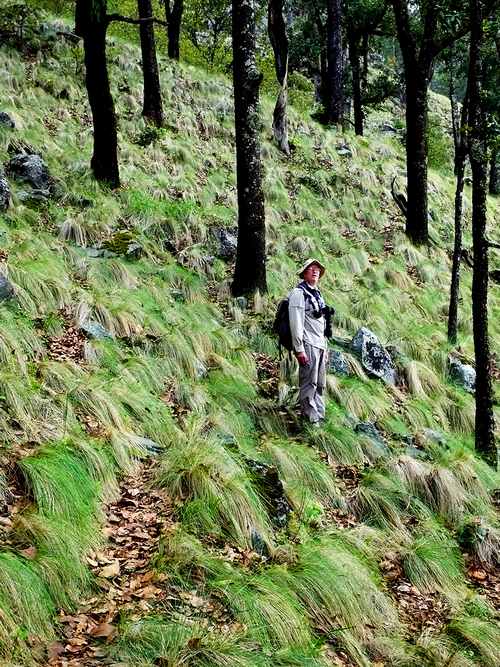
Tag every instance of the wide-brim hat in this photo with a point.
(310, 261)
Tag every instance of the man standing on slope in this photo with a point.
(307, 310)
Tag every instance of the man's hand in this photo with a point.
(302, 358)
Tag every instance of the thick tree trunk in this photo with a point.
(92, 24)
(356, 85)
(279, 42)
(152, 108)
(335, 99)
(494, 180)
(416, 156)
(174, 18)
(250, 269)
(485, 423)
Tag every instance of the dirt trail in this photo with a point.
(125, 580)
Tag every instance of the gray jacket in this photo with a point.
(304, 326)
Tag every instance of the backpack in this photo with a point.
(281, 325)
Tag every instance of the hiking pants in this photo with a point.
(312, 381)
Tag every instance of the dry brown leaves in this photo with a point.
(126, 582)
(169, 397)
(417, 610)
(67, 347)
(486, 580)
(268, 371)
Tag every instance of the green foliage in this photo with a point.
(439, 144)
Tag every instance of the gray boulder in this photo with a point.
(374, 357)
(95, 330)
(338, 364)
(4, 193)
(228, 241)
(36, 196)
(387, 127)
(6, 120)
(6, 289)
(369, 430)
(344, 150)
(462, 374)
(31, 169)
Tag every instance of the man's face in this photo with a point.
(312, 274)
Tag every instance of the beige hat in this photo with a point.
(310, 261)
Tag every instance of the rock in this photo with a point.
(371, 431)
(201, 369)
(4, 193)
(433, 436)
(462, 374)
(387, 127)
(374, 357)
(95, 330)
(344, 150)
(271, 489)
(258, 544)
(6, 120)
(134, 250)
(241, 302)
(36, 196)
(123, 243)
(6, 289)
(30, 168)
(228, 241)
(149, 445)
(338, 364)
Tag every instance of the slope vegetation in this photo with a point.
(371, 542)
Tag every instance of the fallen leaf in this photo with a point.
(54, 649)
(103, 630)
(29, 553)
(112, 570)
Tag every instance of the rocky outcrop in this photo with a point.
(374, 357)
(228, 241)
(31, 169)
(337, 364)
(6, 289)
(462, 374)
(271, 489)
(4, 193)
(6, 120)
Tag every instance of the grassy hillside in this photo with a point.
(137, 382)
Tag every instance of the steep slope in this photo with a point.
(122, 349)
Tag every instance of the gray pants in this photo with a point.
(312, 381)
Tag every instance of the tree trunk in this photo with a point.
(356, 85)
(459, 124)
(494, 181)
(335, 101)
(152, 108)
(250, 269)
(485, 424)
(457, 252)
(416, 156)
(279, 42)
(174, 18)
(364, 51)
(92, 24)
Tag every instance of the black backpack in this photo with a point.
(281, 327)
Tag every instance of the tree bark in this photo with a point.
(356, 85)
(494, 180)
(364, 51)
(173, 16)
(485, 424)
(250, 269)
(460, 143)
(335, 99)
(152, 107)
(92, 26)
(279, 42)
(416, 156)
